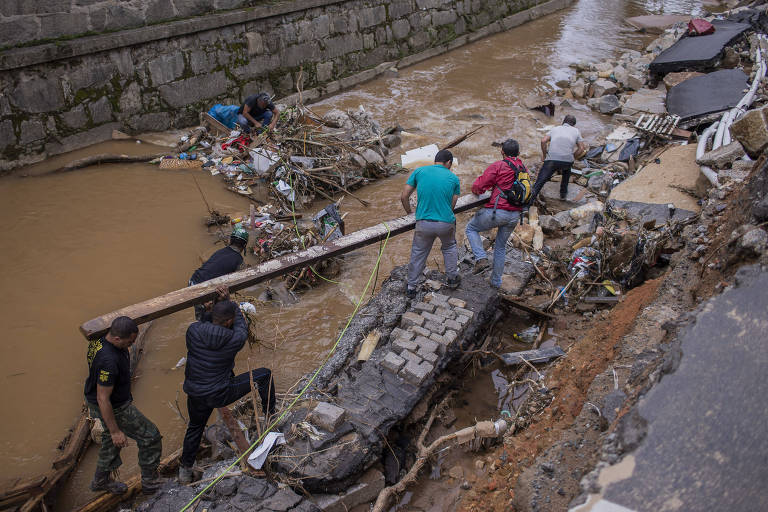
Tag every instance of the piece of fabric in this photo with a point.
(423, 238)
(211, 351)
(201, 407)
(498, 176)
(253, 106)
(562, 142)
(136, 426)
(485, 220)
(258, 457)
(108, 366)
(222, 262)
(435, 187)
(548, 169)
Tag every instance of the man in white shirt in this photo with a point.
(557, 150)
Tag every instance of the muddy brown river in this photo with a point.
(80, 244)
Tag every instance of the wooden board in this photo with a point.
(213, 124)
(506, 299)
(369, 344)
(203, 292)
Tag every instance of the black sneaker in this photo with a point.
(453, 283)
(103, 481)
(410, 293)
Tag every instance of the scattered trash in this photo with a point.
(258, 457)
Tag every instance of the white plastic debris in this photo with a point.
(259, 455)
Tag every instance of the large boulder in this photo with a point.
(577, 196)
(609, 104)
(517, 272)
(752, 131)
(646, 101)
(603, 87)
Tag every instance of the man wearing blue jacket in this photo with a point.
(209, 380)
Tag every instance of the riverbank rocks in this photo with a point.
(602, 87)
(644, 101)
(609, 104)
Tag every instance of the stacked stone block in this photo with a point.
(426, 333)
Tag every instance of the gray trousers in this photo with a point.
(423, 238)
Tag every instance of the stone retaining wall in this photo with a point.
(62, 96)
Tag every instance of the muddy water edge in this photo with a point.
(79, 244)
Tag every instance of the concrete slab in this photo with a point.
(701, 95)
(703, 426)
(699, 52)
(656, 23)
(662, 183)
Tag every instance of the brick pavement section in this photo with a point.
(410, 318)
(393, 362)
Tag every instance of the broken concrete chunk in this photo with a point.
(393, 362)
(752, 131)
(644, 101)
(456, 302)
(410, 318)
(609, 104)
(723, 156)
(327, 416)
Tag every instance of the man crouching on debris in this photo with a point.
(257, 111)
(437, 190)
(498, 212)
(209, 381)
(557, 150)
(108, 393)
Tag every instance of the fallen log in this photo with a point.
(106, 159)
(203, 292)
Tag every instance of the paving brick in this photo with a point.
(450, 336)
(399, 345)
(430, 316)
(457, 302)
(452, 324)
(398, 333)
(416, 373)
(438, 298)
(465, 312)
(434, 285)
(393, 362)
(426, 344)
(430, 357)
(327, 416)
(419, 331)
(424, 306)
(410, 318)
(445, 312)
(462, 320)
(410, 356)
(439, 328)
(440, 339)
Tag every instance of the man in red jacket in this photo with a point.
(497, 213)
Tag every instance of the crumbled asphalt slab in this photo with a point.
(696, 440)
(702, 95)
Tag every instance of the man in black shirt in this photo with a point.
(209, 380)
(108, 394)
(257, 111)
(222, 262)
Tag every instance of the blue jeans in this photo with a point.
(264, 119)
(485, 220)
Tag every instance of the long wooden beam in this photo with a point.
(203, 292)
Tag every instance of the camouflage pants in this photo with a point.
(136, 426)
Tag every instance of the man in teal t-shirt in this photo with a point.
(437, 190)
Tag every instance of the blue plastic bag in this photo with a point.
(225, 114)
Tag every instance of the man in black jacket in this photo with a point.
(209, 381)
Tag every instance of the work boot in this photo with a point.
(481, 265)
(453, 283)
(103, 481)
(150, 482)
(186, 475)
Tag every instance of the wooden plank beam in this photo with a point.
(203, 292)
(506, 299)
